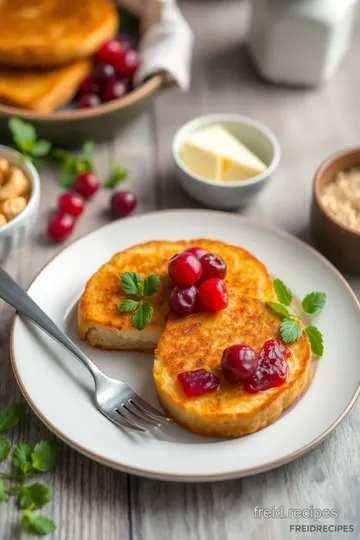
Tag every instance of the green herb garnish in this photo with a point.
(28, 461)
(118, 174)
(26, 141)
(133, 284)
(72, 166)
(291, 328)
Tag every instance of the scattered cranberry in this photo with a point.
(184, 301)
(127, 62)
(110, 51)
(198, 382)
(239, 363)
(123, 203)
(72, 203)
(114, 90)
(89, 86)
(272, 369)
(103, 73)
(213, 294)
(89, 101)
(60, 226)
(213, 266)
(185, 269)
(197, 251)
(87, 184)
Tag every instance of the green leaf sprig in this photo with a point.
(133, 284)
(72, 165)
(27, 461)
(118, 174)
(291, 329)
(27, 142)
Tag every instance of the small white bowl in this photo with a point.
(212, 193)
(13, 234)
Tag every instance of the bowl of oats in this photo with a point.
(335, 213)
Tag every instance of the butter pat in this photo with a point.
(215, 154)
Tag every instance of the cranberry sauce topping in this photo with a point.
(198, 382)
(272, 369)
(239, 363)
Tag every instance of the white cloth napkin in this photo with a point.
(167, 40)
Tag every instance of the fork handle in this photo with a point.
(14, 295)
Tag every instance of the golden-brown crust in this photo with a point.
(49, 33)
(198, 342)
(42, 90)
(99, 304)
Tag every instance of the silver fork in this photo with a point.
(114, 399)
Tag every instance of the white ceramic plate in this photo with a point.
(60, 390)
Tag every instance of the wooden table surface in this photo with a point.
(92, 502)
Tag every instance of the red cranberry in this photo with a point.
(185, 269)
(197, 251)
(60, 226)
(103, 73)
(239, 363)
(127, 62)
(213, 266)
(273, 368)
(89, 101)
(184, 301)
(114, 90)
(109, 51)
(198, 382)
(123, 203)
(72, 203)
(87, 184)
(89, 86)
(213, 294)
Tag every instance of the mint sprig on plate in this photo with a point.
(27, 142)
(291, 329)
(133, 284)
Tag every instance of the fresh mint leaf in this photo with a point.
(129, 305)
(11, 415)
(151, 285)
(35, 496)
(283, 292)
(280, 309)
(4, 449)
(143, 315)
(41, 148)
(22, 457)
(67, 176)
(118, 174)
(314, 302)
(290, 330)
(44, 456)
(2, 491)
(36, 524)
(130, 282)
(89, 149)
(23, 134)
(316, 340)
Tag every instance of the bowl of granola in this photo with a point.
(335, 212)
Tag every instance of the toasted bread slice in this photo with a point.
(198, 341)
(99, 319)
(48, 33)
(42, 90)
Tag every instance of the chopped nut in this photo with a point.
(4, 166)
(3, 220)
(17, 184)
(341, 198)
(12, 207)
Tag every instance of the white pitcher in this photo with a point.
(300, 42)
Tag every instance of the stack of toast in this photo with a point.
(46, 48)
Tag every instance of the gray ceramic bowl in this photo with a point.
(15, 232)
(212, 193)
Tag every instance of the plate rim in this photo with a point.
(238, 473)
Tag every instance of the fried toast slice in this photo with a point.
(198, 342)
(48, 33)
(42, 90)
(99, 319)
